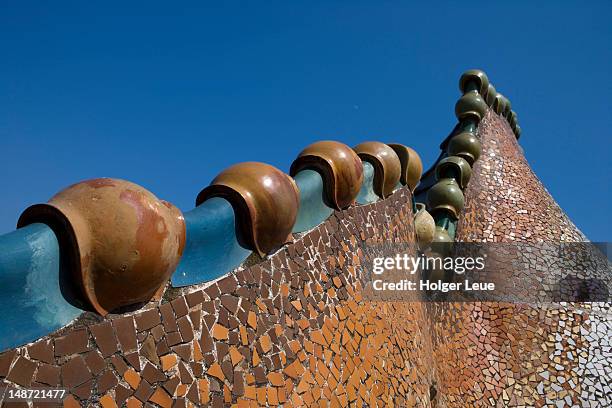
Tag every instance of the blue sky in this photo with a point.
(169, 96)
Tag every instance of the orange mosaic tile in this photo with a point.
(132, 378)
(219, 332)
(216, 371)
(168, 362)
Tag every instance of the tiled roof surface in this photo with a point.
(261, 295)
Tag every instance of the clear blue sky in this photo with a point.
(168, 96)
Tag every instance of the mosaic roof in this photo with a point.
(261, 295)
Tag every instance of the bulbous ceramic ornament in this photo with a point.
(119, 242)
